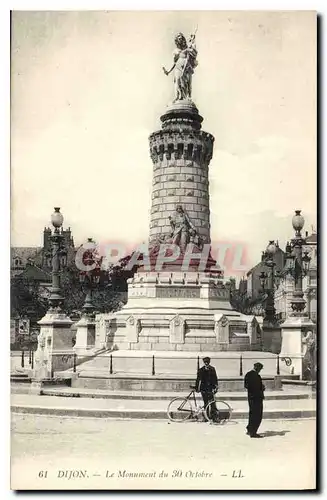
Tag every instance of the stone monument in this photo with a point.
(178, 301)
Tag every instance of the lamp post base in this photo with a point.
(271, 336)
(294, 332)
(85, 336)
(55, 348)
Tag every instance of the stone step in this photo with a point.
(301, 383)
(19, 374)
(149, 414)
(21, 378)
(105, 408)
(149, 395)
(98, 379)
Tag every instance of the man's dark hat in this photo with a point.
(259, 365)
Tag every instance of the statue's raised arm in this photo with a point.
(185, 61)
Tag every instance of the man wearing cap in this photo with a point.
(207, 384)
(253, 384)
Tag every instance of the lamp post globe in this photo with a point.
(298, 222)
(271, 249)
(57, 218)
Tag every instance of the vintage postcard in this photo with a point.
(163, 250)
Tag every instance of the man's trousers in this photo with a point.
(255, 415)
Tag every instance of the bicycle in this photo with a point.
(181, 409)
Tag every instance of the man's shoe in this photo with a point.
(255, 436)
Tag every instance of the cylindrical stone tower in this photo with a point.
(181, 153)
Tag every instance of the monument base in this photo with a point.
(177, 312)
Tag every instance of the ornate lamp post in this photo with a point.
(90, 278)
(297, 325)
(297, 264)
(54, 351)
(55, 298)
(268, 281)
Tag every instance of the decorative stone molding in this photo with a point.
(221, 329)
(194, 146)
(100, 330)
(253, 329)
(133, 328)
(177, 330)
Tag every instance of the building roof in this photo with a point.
(253, 268)
(262, 263)
(32, 272)
(25, 253)
(312, 238)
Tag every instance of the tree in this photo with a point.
(109, 295)
(26, 300)
(243, 303)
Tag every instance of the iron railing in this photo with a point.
(26, 357)
(240, 371)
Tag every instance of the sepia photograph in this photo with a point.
(163, 250)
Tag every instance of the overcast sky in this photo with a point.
(88, 89)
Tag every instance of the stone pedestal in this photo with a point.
(271, 337)
(85, 335)
(55, 346)
(177, 312)
(294, 333)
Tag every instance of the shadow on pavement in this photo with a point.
(273, 433)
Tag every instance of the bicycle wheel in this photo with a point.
(179, 409)
(218, 411)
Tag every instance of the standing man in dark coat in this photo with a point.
(253, 384)
(207, 384)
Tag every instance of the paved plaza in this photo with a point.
(64, 453)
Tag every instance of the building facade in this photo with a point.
(253, 283)
(31, 266)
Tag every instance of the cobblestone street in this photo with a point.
(107, 452)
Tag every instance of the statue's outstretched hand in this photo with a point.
(165, 71)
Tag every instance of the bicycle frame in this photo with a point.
(191, 409)
(191, 397)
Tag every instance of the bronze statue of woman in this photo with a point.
(184, 63)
